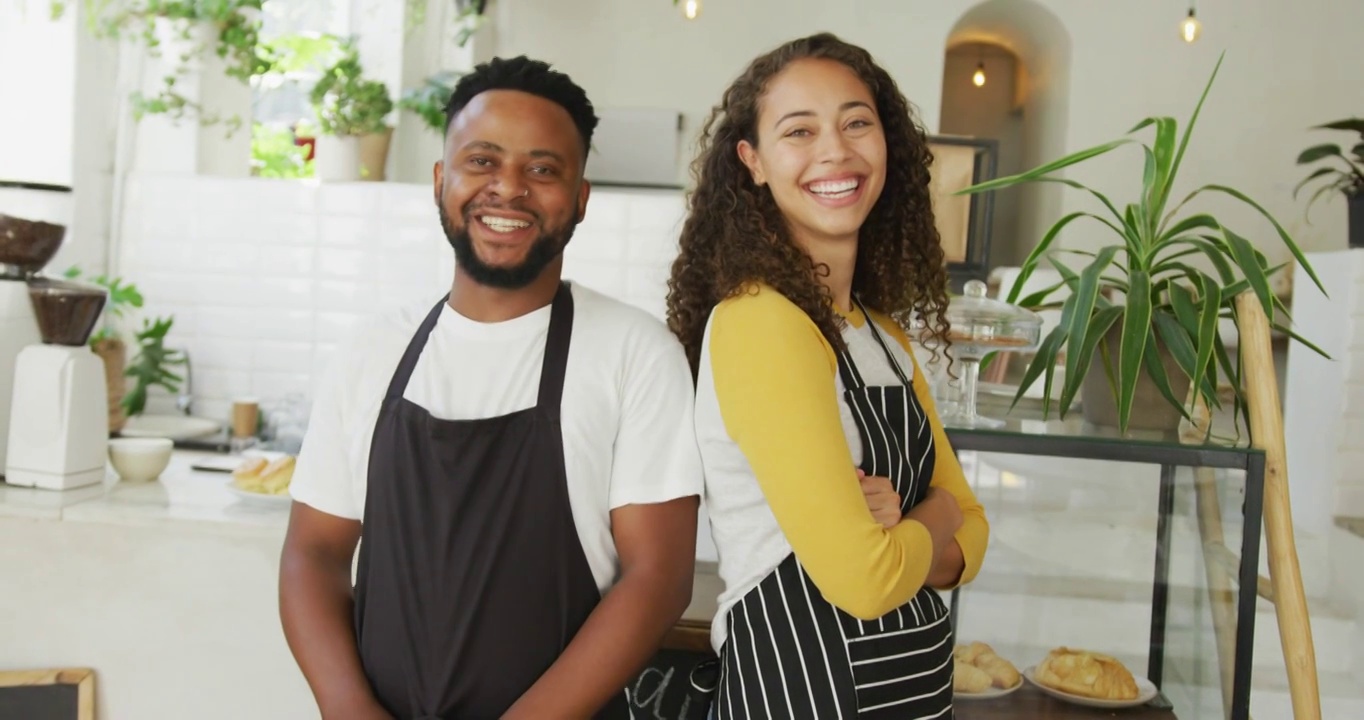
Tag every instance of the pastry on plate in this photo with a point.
(1087, 674)
(982, 658)
(267, 477)
(968, 678)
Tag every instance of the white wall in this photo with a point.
(1289, 66)
(262, 297)
(1324, 399)
(37, 83)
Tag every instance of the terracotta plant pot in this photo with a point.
(1150, 409)
(374, 154)
(114, 353)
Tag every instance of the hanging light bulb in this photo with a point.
(1191, 28)
(691, 9)
(978, 79)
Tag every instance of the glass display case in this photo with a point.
(1144, 547)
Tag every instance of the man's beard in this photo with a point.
(542, 252)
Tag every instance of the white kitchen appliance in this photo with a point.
(59, 415)
(25, 247)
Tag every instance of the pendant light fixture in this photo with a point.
(691, 9)
(1191, 28)
(978, 79)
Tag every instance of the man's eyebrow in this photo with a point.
(548, 154)
(495, 148)
(483, 145)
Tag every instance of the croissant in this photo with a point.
(1087, 674)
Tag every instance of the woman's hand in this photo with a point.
(881, 498)
(941, 514)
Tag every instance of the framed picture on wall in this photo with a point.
(964, 221)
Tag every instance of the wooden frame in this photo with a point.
(964, 221)
(82, 678)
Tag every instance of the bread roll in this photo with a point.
(1002, 672)
(267, 477)
(969, 678)
(981, 658)
(1087, 674)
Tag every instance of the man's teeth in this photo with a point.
(834, 189)
(503, 224)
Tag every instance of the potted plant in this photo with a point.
(1344, 175)
(1161, 336)
(427, 101)
(106, 343)
(152, 364)
(227, 30)
(352, 117)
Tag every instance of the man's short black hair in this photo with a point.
(529, 76)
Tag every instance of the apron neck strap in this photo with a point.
(876, 333)
(556, 351)
(398, 384)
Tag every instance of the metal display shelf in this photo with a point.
(1026, 433)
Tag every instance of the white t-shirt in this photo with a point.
(627, 408)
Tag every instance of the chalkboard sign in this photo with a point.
(67, 694)
(679, 681)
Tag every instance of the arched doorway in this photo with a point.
(1026, 99)
(981, 99)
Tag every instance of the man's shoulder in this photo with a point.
(378, 339)
(607, 318)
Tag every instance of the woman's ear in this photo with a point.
(748, 155)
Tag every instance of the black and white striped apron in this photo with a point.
(791, 654)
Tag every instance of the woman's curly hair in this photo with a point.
(735, 233)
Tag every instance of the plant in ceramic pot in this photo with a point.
(225, 32)
(352, 115)
(427, 101)
(1343, 173)
(1141, 320)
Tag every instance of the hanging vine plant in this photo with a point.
(230, 31)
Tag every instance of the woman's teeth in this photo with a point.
(835, 189)
(503, 225)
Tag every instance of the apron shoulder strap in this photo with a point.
(890, 357)
(556, 351)
(398, 384)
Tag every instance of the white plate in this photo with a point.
(1146, 691)
(261, 499)
(175, 427)
(990, 694)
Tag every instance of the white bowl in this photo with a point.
(139, 459)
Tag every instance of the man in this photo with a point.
(508, 459)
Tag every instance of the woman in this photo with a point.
(809, 244)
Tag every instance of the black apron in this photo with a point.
(471, 578)
(792, 654)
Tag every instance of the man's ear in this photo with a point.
(583, 193)
(438, 180)
(748, 155)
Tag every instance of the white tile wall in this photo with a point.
(266, 277)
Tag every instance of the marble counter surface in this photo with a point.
(181, 494)
(201, 501)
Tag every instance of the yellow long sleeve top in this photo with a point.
(780, 449)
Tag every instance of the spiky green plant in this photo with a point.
(1166, 300)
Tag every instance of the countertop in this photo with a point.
(201, 501)
(181, 494)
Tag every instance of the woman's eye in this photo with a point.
(798, 132)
